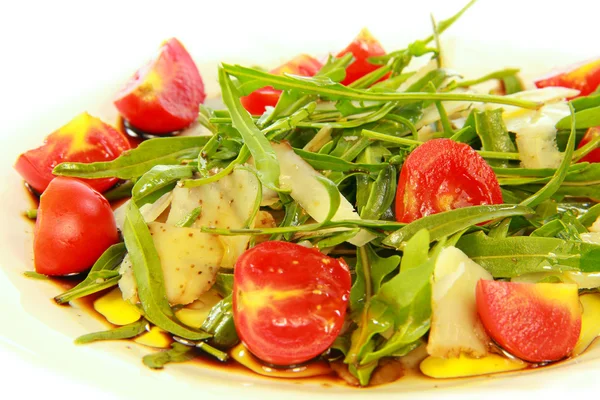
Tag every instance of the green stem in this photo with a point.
(31, 214)
(586, 149)
(497, 155)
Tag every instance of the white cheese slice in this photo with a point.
(455, 326)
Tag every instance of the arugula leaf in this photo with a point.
(494, 136)
(449, 222)
(178, 353)
(514, 256)
(219, 323)
(102, 275)
(585, 118)
(327, 88)
(264, 157)
(381, 195)
(326, 162)
(123, 332)
(189, 219)
(136, 162)
(149, 279)
(158, 178)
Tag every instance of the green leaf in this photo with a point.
(219, 323)
(449, 222)
(189, 219)
(586, 118)
(416, 251)
(119, 192)
(97, 279)
(158, 178)
(35, 275)
(382, 194)
(148, 274)
(494, 136)
(334, 198)
(512, 84)
(178, 353)
(136, 162)
(514, 256)
(123, 332)
(590, 216)
(326, 88)
(258, 145)
(224, 283)
(553, 185)
(325, 162)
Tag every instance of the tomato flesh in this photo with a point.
(594, 155)
(74, 226)
(256, 102)
(584, 77)
(442, 175)
(289, 302)
(84, 139)
(536, 322)
(362, 47)
(164, 95)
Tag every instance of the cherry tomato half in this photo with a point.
(256, 102)
(289, 302)
(74, 226)
(164, 95)
(535, 322)
(362, 47)
(84, 139)
(442, 175)
(584, 77)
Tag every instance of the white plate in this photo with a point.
(59, 59)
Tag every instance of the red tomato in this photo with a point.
(74, 226)
(84, 139)
(584, 77)
(362, 47)
(535, 322)
(289, 301)
(164, 95)
(594, 155)
(256, 102)
(442, 175)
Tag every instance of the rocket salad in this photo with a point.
(335, 216)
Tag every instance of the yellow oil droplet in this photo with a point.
(116, 310)
(194, 314)
(463, 366)
(191, 317)
(156, 337)
(590, 322)
(243, 356)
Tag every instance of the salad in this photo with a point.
(342, 216)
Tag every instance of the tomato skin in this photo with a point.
(74, 226)
(442, 175)
(594, 155)
(256, 102)
(83, 139)
(289, 302)
(536, 322)
(584, 77)
(164, 95)
(362, 47)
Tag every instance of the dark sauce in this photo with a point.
(137, 134)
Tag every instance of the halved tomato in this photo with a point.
(84, 139)
(164, 95)
(289, 301)
(536, 322)
(256, 102)
(442, 175)
(362, 47)
(584, 77)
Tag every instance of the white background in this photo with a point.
(54, 52)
